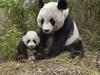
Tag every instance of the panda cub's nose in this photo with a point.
(46, 30)
(31, 46)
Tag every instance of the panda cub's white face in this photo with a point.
(31, 39)
(50, 18)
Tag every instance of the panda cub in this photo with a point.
(28, 47)
(58, 30)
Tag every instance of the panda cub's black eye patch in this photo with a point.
(28, 41)
(34, 41)
(42, 21)
(52, 21)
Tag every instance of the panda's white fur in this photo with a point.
(31, 35)
(31, 56)
(62, 30)
(74, 36)
(70, 40)
(50, 10)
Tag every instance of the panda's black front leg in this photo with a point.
(40, 54)
(21, 51)
(77, 49)
(57, 46)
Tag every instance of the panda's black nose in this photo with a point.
(46, 30)
(31, 46)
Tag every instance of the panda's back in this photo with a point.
(75, 36)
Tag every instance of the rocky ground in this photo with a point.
(61, 65)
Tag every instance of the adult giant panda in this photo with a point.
(58, 30)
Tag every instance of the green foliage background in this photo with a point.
(17, 20)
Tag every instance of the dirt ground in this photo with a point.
(61, 65)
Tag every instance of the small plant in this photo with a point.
(92, 39)
(8, 43)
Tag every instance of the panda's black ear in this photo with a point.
(24, 33)
(38, 33)
(62, 4)
(41, 3)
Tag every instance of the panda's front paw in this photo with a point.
(40, 56)
(76, 53)
(20, 58)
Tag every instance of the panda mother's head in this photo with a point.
(31, 39)
(51, 16)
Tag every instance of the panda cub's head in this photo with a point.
(31, 39)
(52, 15)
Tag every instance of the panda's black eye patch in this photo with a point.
(34, 41)
(42, 21)
(52, 21)
(28, 41)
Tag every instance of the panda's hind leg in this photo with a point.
(77, 49)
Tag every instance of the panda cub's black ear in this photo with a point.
(24, 33)
(41, 3)
(62, 4)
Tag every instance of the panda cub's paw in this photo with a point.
(76, 53)
(40, 56)
(21, 58)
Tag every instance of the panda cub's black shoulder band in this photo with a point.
(21, 51)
